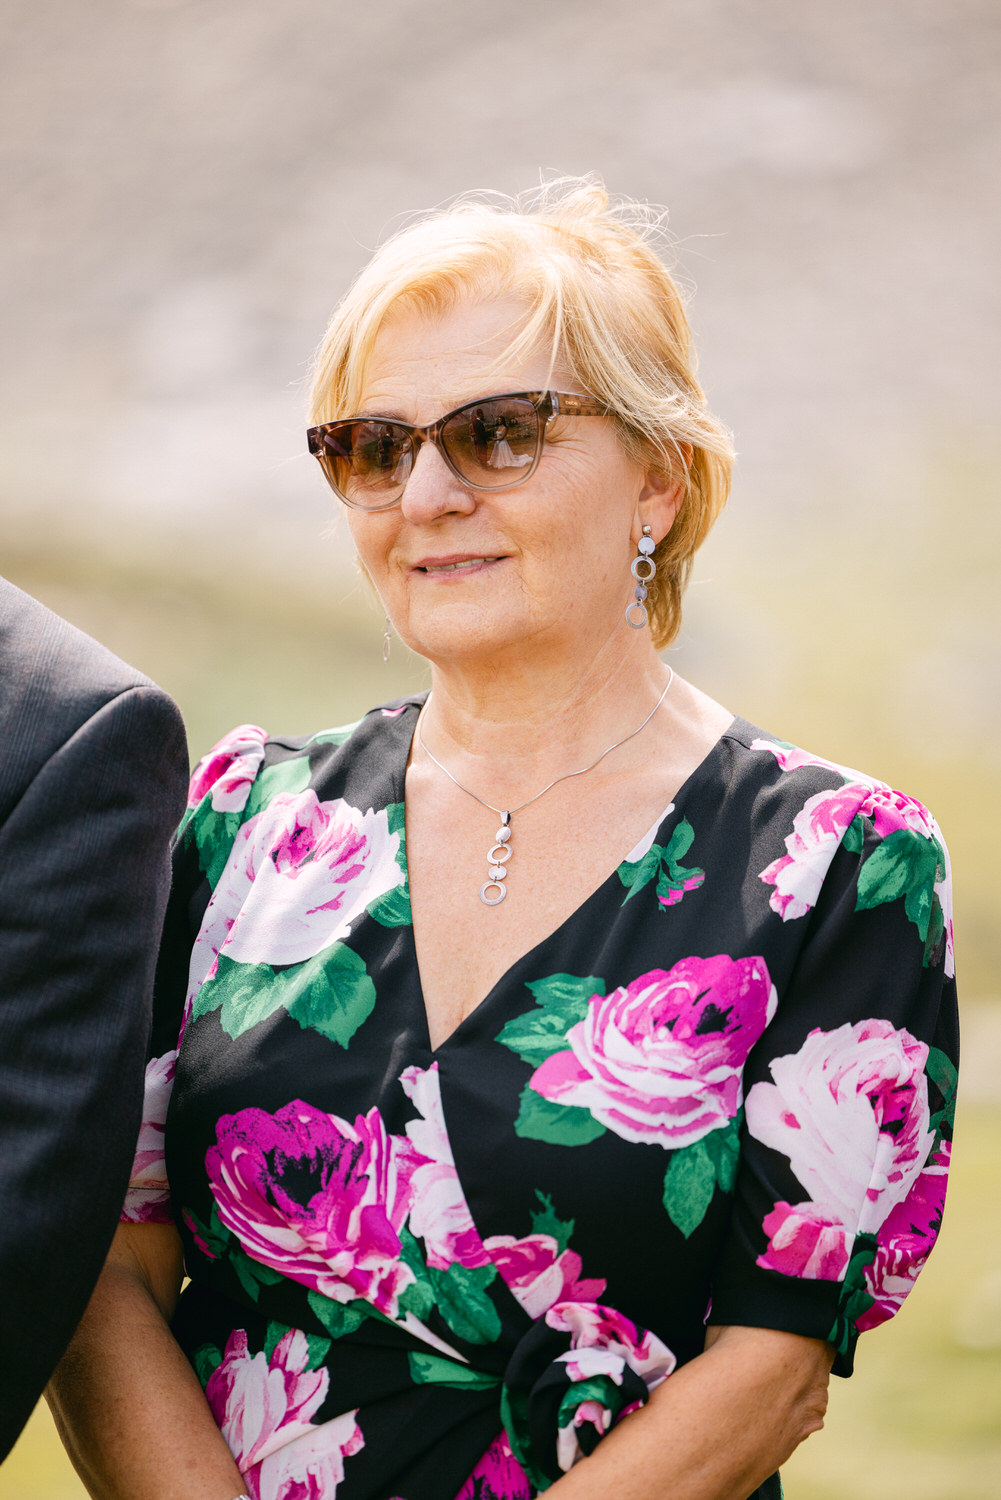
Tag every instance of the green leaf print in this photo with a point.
(318, 1347)
(338, 1318)
(854, 835)
(942, 1072)
(244, 995)
(335, 736)
(418, 1298)
(723, 1146)
(461, 1297)
(251, 1274)
(330, 993)
(855, 1298)
(694, 1173)
(206, 1359)
(566, 994)
(222, 1245)
(635, 876)
(663, 864)
(561, 1001)
(289, 776)
(434, 1369)
(393, 909)
(514, 1416)
(213, 833)
(215, 1237)
(689, 1184)
(558, 1124)
(906, 864)
(276, 1332)
(335, 998)
(600, 1388)
(545, 1221)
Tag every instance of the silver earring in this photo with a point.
(387, 641)
(643, 569)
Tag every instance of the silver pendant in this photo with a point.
(493, 891)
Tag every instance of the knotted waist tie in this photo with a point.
(574, 1374)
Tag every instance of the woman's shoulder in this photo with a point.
(818, 811)
(249, 767)
(800, 776)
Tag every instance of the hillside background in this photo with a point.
(191, 184)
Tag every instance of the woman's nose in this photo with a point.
(433, 490)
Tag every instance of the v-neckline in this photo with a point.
(697, 774)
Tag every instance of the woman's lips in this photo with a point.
(450, 567)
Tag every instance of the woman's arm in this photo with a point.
(128, 1405)
(716, 1428)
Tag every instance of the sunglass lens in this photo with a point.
(367, 462)
(493, 442)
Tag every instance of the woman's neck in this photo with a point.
(509, 728)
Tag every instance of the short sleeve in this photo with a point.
(219, 800)
(849, 1095)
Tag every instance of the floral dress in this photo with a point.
(724, 1083)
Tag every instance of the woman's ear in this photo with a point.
(660, 499)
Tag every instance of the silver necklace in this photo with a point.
(493, 890)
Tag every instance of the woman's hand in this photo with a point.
(127, 1403)
(715, 1429)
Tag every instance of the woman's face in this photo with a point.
(466, 574)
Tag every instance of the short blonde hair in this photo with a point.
(601, 296)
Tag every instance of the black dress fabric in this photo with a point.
(722, 1088)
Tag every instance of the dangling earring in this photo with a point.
(387, 641)
(643, 569)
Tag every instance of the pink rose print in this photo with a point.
(792, 759)
(229, 769)
(264, 1410)
(497, 1476)
(538, 1275)
(805, 1241)
(823, 821)
(661, 1060)
(906, 1238)
(299, 873)
(148, 1198)
(318, 1199)
(850, 1112)
(603, 1343)
(439, 1214)
(817, 830)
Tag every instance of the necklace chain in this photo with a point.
(500, 851)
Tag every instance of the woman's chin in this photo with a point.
(462, 631)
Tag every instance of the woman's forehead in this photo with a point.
(429, 363)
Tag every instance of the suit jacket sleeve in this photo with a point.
(83, 882)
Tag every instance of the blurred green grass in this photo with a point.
(852, 662)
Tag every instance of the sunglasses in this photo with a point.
(491, 444)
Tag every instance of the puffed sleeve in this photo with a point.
(219, 800)
(850, 1092)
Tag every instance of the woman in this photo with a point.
(503, 455)
(565, 1066)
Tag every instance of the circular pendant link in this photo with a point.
(646, 563)
(499, 854)
(637, 624)
(492, 885)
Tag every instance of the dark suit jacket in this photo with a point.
(92, 771)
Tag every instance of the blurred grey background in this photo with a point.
(191, 184)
